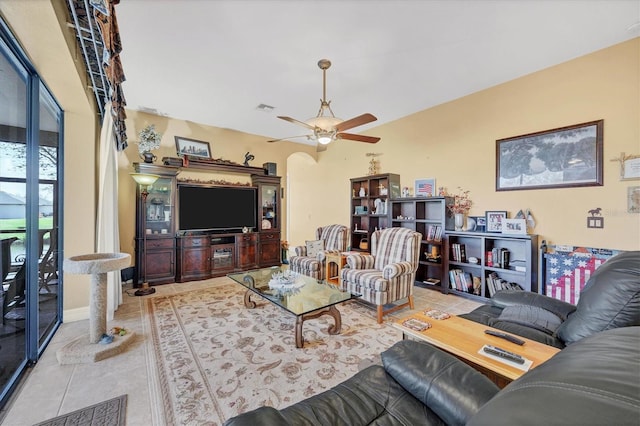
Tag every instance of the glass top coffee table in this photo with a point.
(307, 298)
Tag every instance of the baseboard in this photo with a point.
(78, 314)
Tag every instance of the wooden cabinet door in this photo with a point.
(195, 258)
(247, 248)
(269, 249)
(161, 267)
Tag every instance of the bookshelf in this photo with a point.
(502, 261)
(369, 206)
(429, 216)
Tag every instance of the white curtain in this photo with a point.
(107, 233)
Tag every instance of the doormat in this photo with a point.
(107, 413)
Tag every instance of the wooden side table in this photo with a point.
(333, 265)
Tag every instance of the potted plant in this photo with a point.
(460, 207)
(149, 139)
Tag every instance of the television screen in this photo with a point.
(216, 208)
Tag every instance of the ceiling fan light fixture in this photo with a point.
(324, 122)
(324, 138)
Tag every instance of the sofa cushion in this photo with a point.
(371, 397)
(450, 388)
(611, 299)
(531, 316)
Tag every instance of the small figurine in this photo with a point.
(248, 157)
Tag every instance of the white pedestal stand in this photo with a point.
(83, 349)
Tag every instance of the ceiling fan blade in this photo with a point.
(298, 122)
(355, 122)
(290, 137)
(358, 138)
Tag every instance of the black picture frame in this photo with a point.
(568, 156)
(493, 220)
(192, 147)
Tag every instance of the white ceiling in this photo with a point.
(214, 61)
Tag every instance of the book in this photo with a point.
(518, 265)
(416, 324)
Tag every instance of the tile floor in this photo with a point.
(50, 389)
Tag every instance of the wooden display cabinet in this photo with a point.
(430, 217)
(268, 219)
(155, 226)
(164, 255)
(370, 206)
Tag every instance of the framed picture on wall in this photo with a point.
(192, 147)
(559, 158)
(493, 220)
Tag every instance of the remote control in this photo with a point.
(505, 336)
(503, 354)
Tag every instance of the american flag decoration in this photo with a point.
(569, 268)
(425, 187)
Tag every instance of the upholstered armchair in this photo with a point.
(388, 273)
(310, 259)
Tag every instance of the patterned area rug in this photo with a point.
(215, 359)
(107, 413)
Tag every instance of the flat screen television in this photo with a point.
(216, 208)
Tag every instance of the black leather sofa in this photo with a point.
(610, 299)
(595, 381)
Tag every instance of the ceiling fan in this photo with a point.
(325, 126)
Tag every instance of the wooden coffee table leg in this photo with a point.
(247, 300)
(333, 329)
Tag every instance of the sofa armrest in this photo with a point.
(300, 250)
(260, 416)
(449, 387)
(322, 254)
(506, 298)
(394, 270)
(360, 261)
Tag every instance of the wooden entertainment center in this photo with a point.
(165, 254)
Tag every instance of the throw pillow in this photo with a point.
(314, 247)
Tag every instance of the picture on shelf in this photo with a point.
(514, 226)
(494, 220)
(192, 147)
(425, 187)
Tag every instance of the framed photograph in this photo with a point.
(514, 226)
(630, 168)
(192, 147)
(425, 187)
(493, 220)
(565, 157)
(480, 222)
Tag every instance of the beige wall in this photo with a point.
(455, 143)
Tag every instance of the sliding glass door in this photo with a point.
(30, 214)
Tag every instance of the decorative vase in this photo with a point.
(148, 157)
(459, 221)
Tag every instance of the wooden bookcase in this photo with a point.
(370, 206)
(522, 252)
(429, 216)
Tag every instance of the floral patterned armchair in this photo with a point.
(388, 273)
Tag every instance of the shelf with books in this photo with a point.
(370, 206)
(495, 261)
(427, 215)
